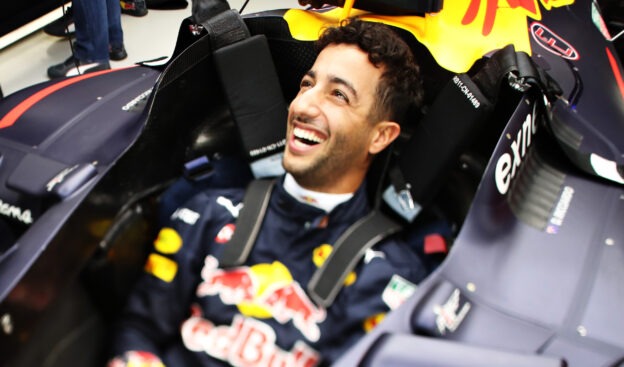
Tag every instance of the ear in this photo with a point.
(383, 134)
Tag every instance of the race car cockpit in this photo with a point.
(518, 152)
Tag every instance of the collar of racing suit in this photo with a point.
(347, 212)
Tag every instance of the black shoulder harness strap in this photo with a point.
(248, 224)
(348, 249)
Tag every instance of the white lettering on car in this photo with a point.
(15, 212)
(509, 162)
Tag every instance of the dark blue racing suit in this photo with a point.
(190, 312)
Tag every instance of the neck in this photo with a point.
(322, 200)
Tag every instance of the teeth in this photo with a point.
(307, 135)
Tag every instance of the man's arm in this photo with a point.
(163, 294)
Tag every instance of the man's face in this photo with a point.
(329, 135)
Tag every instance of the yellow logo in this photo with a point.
(371, 322)
(161, 267)
(168, 241)
(321, 254)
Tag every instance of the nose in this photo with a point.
(306, 104)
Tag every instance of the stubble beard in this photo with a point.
(323, 169)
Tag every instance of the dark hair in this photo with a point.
(400, 87)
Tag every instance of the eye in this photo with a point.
(305, 83)
(340, 95)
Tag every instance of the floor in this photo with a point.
(25, 62)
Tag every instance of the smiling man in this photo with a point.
(187, 311)
(331, 138)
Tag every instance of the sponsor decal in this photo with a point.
(371, 322)
(15, 212)
(321, 254)
(552, 43)
(456, 36)
(59, 178)
(560, 211)
(509, 162)
(244, 343)
(491, 10)
(263, 291)
(225, 234)
(397, 291)
(161, 267)
(138, 102)
(268, 148)
(229, 206)
(185, 215)
(466, 91)
(448, 317)
(168, 241)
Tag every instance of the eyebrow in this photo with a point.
(336, 80)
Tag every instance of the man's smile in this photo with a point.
(308, 137)
(304, 139)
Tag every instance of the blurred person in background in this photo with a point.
(99, 38)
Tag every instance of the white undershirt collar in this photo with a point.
(321, 200)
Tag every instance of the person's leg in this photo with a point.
(90, 17)
(115, 32)
(91, 46)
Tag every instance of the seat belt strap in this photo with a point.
(348, 250)
(248, 224)
(226, 28)
(519, 70)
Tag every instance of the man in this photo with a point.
(189, 312)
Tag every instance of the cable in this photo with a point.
(243, 7)
(71, 44)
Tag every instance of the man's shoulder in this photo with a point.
(211, 196)
(213, 204)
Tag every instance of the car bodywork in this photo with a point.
(535, 195)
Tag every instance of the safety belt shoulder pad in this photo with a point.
(348, 251)
(248, 224)
(251, 85)
(459, 111)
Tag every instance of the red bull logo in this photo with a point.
(291, 303)
(492, 8)
(244, 343)
(461, 33)
(233, 286)
(263, 291)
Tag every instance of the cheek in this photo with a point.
(353, 142)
